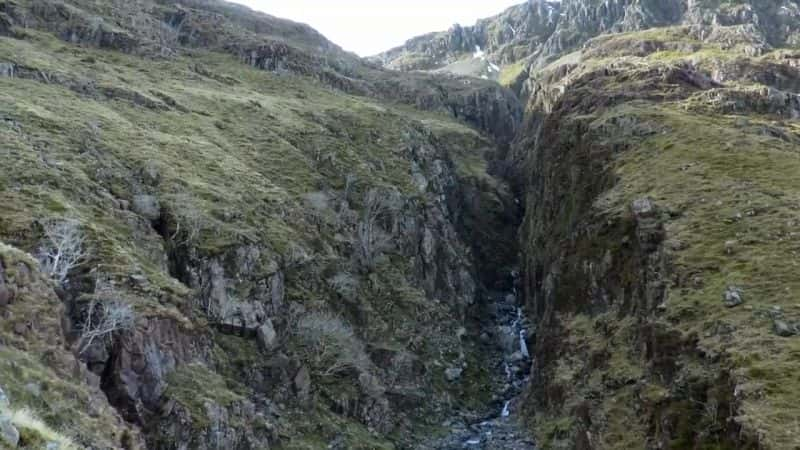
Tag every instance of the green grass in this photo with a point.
(721, 180)
(237, 152)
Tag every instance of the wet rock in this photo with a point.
(266, 337)
(507, 339)
(453, 374)
(146, 206)
(4, 402)
(8, 432)
(732, 297)
(783, 329)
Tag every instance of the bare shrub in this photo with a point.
(333, 346)
(105, 316)
(372, 240)
(189, 220)
(345, 284)
(167, 38)
(63, 249)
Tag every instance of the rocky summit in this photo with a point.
(574, 225)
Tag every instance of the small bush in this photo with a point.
(333, 346)
(34, 433)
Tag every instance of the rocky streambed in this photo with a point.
(506, 336)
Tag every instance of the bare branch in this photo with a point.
(106, 315)
(63, 249)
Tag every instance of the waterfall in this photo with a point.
(523, 347)
(505, 411)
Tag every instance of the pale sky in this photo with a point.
(367, 27)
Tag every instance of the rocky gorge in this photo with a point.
(570, 226)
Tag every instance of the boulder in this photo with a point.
(266, 337)
(732, 297)
(783, 329)
(643, 207)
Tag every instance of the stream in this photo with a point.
(505, 333)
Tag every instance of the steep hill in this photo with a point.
(280, 240)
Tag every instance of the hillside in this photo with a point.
(219, 230)
(290, 228)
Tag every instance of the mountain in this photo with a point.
(536, 32)
(219, 230)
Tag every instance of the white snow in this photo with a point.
(493, 67)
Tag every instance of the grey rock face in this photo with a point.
(147, 206)
(505, 38)
(266, 336)
(302, 384)
(539, 31)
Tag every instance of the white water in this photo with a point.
(523, 347)
(505, 411)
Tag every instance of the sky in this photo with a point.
(367, 27)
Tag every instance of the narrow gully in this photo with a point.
(505, 332)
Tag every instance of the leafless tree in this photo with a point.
(371, 239)
(190, 221)
(106, 315)
(63, 249)
(334, 347)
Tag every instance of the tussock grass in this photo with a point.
(34, 433)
